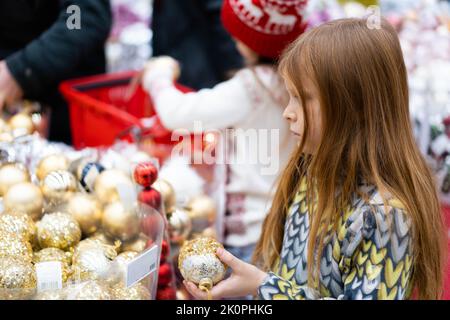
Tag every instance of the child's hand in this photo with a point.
(245, 280)
(163, 66)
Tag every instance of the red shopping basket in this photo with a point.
(102, 110)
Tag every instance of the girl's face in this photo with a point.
(295, 115)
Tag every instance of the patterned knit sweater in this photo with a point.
(368, 257)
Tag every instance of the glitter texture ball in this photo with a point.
(120, 222)
(90, 290)
(51, 163)
(103, 238)
(198, 262)
(19, 224)
(138, 245)
(202, 211)
(11, 174)
(58, 186)
(86, 211)
(92, 260)
(17, 278)
(24, 198)
(180, 225)
(87, 173)
(108, 181)
(14, 246)
(58, 230)
(167, 192)
(54, 254)
(136, 292)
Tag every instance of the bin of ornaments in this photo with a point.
(77, 225)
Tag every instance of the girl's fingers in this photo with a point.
(195, 291)
(228, 259)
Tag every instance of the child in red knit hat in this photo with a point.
(253, 99)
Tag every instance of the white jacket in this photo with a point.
(252, 103)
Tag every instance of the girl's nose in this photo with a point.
(289, 116)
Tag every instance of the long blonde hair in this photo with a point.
(362, 80)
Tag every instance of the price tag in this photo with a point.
(141, 266)
(49, 275)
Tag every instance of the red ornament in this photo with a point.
(165, 248)
(151, 225)
(167, 293)
(164, 275)
(145, 174)
(150, 197)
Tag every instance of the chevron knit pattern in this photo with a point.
(369, 257)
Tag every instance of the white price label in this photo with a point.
(49, 275)
(141, 266)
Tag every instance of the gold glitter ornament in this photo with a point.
(137, 245)
(11, 174)
(202, 211)
(199, 263)
(107, 183)
(120, 222)
(119, 267)
(21, 124)
(17, 278)
(24, 198)
(12, 245)
(54, 254)
(167, 192)
(86, 211)
(92, 260)
(58, 230)
(58, 186)
(19, 224)
(136, 292)
(90, 290)
(180, 225)
(51, 163)
(103, 238)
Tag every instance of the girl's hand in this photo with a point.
(245, 280)
(163, 66)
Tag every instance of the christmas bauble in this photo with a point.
(103, 238)
(165, 274)
(202, 211)
(11, 174)
(86, 211)
(51, 163)
(107, 184)
(58, 230)
(54, 254)
(120, 265)
(120, 222)
(136, 292)
(145, 174)
(24, 198)
(136, 245)
(167, 193)
(90, 290)
(92, 260)
(21, 124)
(19, 224)
(199, 263)
(87, 173)
(58, 186)
(12, 245)
(180, 225)
(150, 197)
(167, 293)
(18, 277)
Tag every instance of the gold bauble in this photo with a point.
(90, 290)
(11, 174)
(202, 211)
(19, 224)
(58, 186)
(137, 245)
(21, 124)
(13, 245)
(103, 238)
(92, 260)
(58, 230)
(24, 198)
(54, 254)
(51, 295)
(167, 192)
(199, 263)
(120, 266)
(180, 225)
(107, 183)
(87, 211)
(136, 292)
(17, 278)
(120, 222)
(51, 163)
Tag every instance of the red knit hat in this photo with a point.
(265, 26)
